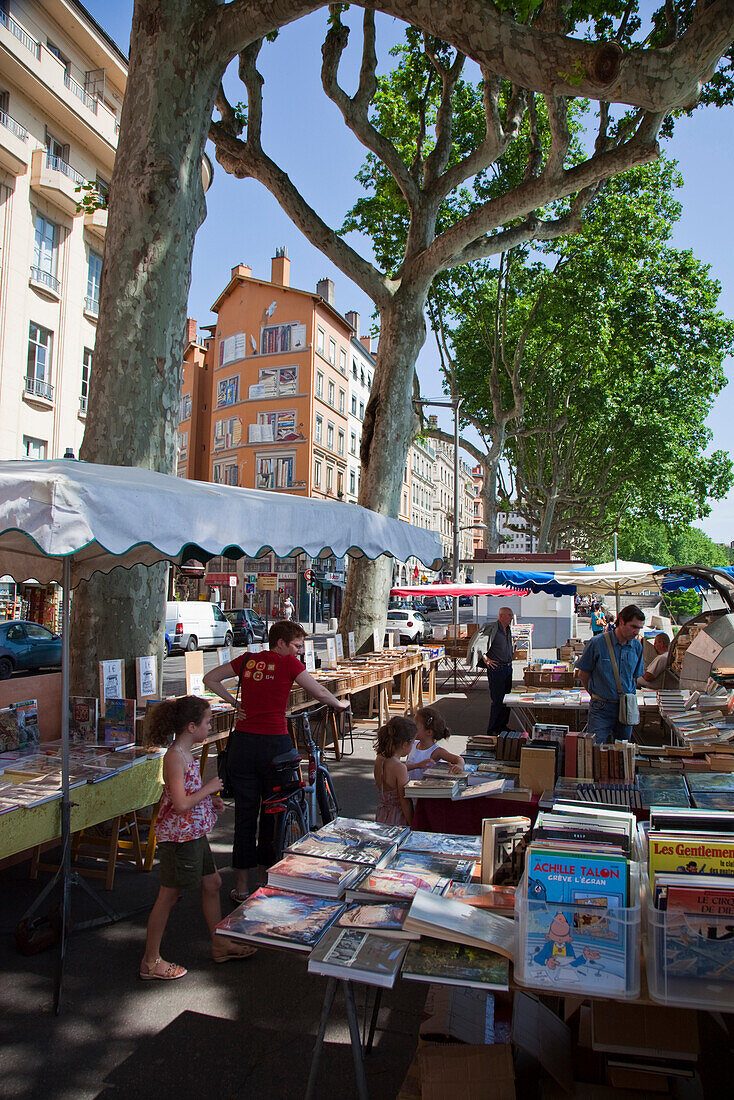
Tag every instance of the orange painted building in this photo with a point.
(276, 371)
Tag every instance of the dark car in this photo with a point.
(25, 645)
(430, 603)
(247, 626)
(466, 601)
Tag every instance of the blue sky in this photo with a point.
(304, 133)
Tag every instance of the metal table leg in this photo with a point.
(357, 1053)
(316, 1057)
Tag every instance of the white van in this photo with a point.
(194, 624)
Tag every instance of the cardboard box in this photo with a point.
(537, 769)
(448, 1071)
(650, 1031)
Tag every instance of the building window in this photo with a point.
(232, 348)
(340, 438)
(343, 360)
(228, 391)
(332, 351)
(45, 253)
(94, 280)
(275, 382)
(369, 381)
(353, 443)
(361, 410)
(330, 436)
(227, 434)
(225, 473)
(320, 337)
(277, 338)
(319, 430)
(331, 392)
(86, 373)
(184, 407)
(352, 482)
(354, 368)
(275, 427)
(183, 444)
(274, 471)
(34, 448)
(319, 384)
(38, 376)
(317, 473)
(354, 405)
(342, 400)
(340, 483)
(329, 478)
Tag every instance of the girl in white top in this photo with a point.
(425, 752)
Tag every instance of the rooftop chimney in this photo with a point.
(280, 267)
(433, 420)
(366, 342)
(353, 318)
(242, 269)
(190, 330)
(325, 288)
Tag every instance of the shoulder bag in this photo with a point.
(629, 712)
(226, 790)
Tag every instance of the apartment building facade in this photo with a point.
(62, 82)
(361, 374)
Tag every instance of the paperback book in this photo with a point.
(327, 877)
(119, 721)
(83, 718)
(353, 955)
(281, 918)
(503, 849)
(431, 960)
(383, 919)
(27, 715)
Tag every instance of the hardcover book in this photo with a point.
(383, 919)
(713, 800)
(83, 718)
(440, 918)
(119, 721)
(443, 844)
(388, 884)
(327, 877)
(456, 964)
(354, 828)
(458, 869)
(690, 853)
(27, 715)
(503, 848)
(698, 926)
(281, 918)
(576, 877)
(710, 781)
(499, 898)
(354, 955)
(364, 851)
(9, 730)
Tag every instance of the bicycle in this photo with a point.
(296, 803)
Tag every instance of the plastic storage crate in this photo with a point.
(690, 958)
(611, 933)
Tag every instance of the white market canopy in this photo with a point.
(101, 517)
(607, 579)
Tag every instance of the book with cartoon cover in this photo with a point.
(690, 853)
(83, 718)
(696, 936)
(281, 918)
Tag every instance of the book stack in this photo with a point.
(584, 759)
(691, 914)
(309, 875)
(578, 904)
(433, 786)
(509, 745)
(662, 789)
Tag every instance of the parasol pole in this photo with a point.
(616, 570)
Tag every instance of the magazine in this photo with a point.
(281, 918)
(353, 955)
(431, 960)
(443, 844)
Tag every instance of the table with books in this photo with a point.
(367, 903)
(106, 785)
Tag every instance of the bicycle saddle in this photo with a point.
(292, 758)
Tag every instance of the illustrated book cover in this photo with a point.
(436, 916)
(354, 955)
(458, 869)
(281, 918)
(383, 919)
(443, 844)
(499, 898)
(119, 721)
(503, 849)
(431, 960)
(327, 877)
(83, 718)
(351, 849)
(688, 853)
(27, 715)
(387, 884)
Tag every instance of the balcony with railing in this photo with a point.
(56, 180)
(91, 307)
(76, 88)
(14, 154)
(7, 21)
(95, 221)
(39, 392)
(45, 282)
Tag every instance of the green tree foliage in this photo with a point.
(653, 541)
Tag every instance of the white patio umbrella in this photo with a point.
(64, 520)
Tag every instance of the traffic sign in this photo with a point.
(249, 588)
(308, 576)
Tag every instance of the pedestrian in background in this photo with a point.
(597, 673)
(288, 609)
(498, 662)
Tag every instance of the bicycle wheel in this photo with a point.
(325, 796)
(291, 828)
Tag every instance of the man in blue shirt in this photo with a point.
(597, 673)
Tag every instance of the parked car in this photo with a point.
(427, 624)
(167, 646)
(25, 645)
(196, 624)
(466, 601)
(247, 626)
(430, 603)
(411, 624)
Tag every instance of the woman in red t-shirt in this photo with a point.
(260, 733)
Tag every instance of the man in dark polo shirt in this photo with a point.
(498, 662)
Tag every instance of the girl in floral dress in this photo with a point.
(187, 813)
(393, 742)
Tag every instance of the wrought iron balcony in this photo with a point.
(37, 387)
(45, 279)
